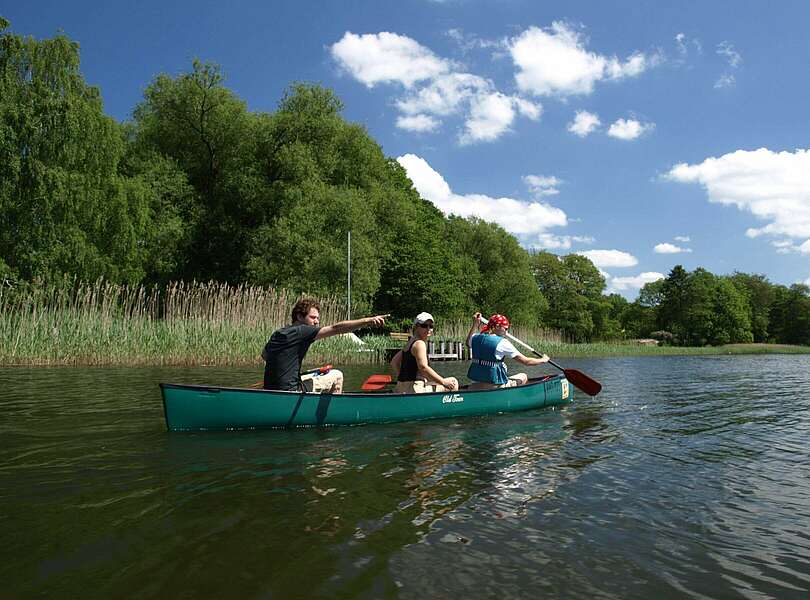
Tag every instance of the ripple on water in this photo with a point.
(686, 477)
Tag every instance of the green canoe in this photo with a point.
(205, 408)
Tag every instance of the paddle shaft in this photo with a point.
(540, 355)
(587, 384)
(324, 369)
(524, 344)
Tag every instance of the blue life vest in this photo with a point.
(485, 367)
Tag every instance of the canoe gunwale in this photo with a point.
(191, 407)
(215, 389)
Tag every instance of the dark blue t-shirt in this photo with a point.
(284, 353)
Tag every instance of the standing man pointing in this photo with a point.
(285, 351)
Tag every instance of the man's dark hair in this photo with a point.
(303, 306)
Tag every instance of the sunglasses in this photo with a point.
(426, 325)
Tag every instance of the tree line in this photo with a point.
(198, 187)
(699, 308)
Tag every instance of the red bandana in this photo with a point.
(496, 320)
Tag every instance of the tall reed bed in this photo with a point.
(196, 323)
(102, 323)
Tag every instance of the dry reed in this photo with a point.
(197, 323)
(103, 323)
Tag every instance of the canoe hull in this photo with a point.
(206, 408)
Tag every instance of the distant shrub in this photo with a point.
(665, 338)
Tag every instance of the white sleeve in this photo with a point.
(505, 348)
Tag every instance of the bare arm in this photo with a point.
(419, 351)
(474, 328)
(530, 362)
(396, 364)
(349, 326)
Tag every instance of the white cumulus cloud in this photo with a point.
(618, 284)
(540, 185)
(584, 123)
(784, 246)
(787, 247)
(610, 258)
(491, 115)
(434, 88)
(385, 58)
(667, 248)
(529, 221)
(773, 186)
(445, 94)
(726, 50)
(683, 43)
(550, 241)
(421, 123)
(725, 81)
(629, 129)
(683, 238)
(734, 60)
(556, 62)
(680, 43)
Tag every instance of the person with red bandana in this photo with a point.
(489, 347)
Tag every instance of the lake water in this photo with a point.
(688, 477)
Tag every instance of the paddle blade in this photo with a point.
(375, 382)
(373, 387)
(583, 382)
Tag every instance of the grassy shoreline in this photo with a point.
(212, 346)
(103, 324)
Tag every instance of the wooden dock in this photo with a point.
(439, 350)
(448, 351)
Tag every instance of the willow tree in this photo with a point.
(497, 271)
(202, 127)
(790, 314)
(327, 177)
(570, 285)
(64, 206)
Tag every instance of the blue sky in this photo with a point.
(641, 134)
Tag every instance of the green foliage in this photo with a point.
(195, 122)
(197, 187)
(652, 294)
(420, 270)
(573, 288)
(307, 247)
(637, 320)
(790, 315)
(497, 271)
(63, 205)
(673, 303)
(700, 309)
(759, 294)
(611, 310)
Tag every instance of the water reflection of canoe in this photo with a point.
(195, 407)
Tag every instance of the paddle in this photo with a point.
(376, 382)
(578, 378)
(319, 370)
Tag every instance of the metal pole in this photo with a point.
(349, 279)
